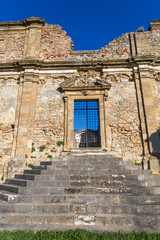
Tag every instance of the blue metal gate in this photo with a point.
(86, 124)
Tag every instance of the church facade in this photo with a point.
(54, 100)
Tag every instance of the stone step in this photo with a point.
(25, 176)
(46, 163)
(78, 179)
(95, 168)
(78, 190)
(70, 190)
(64, 174)
(78, 207)
(119, 177)
(107, 162)
(119, 209)
(37, 183)
(105, 190)
(41, 190)
(35, 208)
(88, 166)
(154, 190)
(64, 182)
(17, 182)
(9, 188)
(110, 199)
(33, 171)
(121, 221)
(103, 183)
(43, 167)
(78, 169)
(93, 162)
(40, 177)
(64, 227)
(8, 196)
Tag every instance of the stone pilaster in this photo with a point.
(33, 37)
(25, 115)
(149, 107)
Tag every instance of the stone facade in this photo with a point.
(41, 76)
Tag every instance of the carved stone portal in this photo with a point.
(84, 89)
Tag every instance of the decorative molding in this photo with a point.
(117, 70)
(39, 72)
(84, 92)
(65, 99)
(5, 80)
(124, 77)
(84, 83)
(3, 43)
(157, 76)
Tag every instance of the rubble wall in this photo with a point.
(123, 121)
(49, 118)
(55, 43)
(8, 104)
(11, 47)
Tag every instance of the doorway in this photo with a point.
(86, 124)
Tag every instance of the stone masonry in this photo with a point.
(41, 76)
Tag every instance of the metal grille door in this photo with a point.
(86, 124)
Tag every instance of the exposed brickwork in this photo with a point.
(118, 48)
(55, 43)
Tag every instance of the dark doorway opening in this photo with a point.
(86, 124)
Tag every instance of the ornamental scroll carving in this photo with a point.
(120, 77)
(157, 76)
(6, 80)
(81, 82)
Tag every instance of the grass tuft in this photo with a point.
(78, 234)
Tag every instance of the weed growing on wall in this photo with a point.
(41, 148)
(59, 143)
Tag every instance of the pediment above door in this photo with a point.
(78, 84)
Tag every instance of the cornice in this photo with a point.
(27, 21)
(84, 65)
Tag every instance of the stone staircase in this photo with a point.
(86, 190)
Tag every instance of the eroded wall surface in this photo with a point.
(36, 58)
(49, 118)
(8, 104)
(124, 121)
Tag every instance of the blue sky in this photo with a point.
(92, 24)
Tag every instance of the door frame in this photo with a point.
(90, 91)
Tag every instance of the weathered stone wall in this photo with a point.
(157, 84)
(55, 43)
(49, 119)
(123, 120)
(119, 48)
(148, 43)
(41, 54)
(11, 47)
(8, 103)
